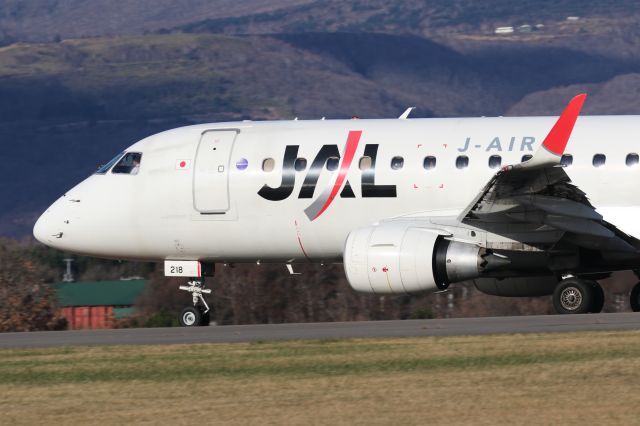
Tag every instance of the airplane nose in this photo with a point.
(46, 231)
(41, 229)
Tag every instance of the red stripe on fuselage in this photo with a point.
(350, 151)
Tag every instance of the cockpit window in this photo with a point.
(129, 164)
(105, 167)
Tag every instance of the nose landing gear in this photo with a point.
(199, 313)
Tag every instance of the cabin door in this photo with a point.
(211, 171)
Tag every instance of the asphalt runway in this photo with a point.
(335, 330)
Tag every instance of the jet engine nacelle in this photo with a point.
(403, 258)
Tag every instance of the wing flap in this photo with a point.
(537, 195)
(579, 226)
(558, 206)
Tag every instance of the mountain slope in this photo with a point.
(43, 20)
(412, 16)
(618, 96)
(606, 28)
(204, 77)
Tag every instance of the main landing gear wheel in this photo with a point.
(199, 313)
(635, 298)
(598, 297)
(573, 296)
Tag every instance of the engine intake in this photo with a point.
(401, 258)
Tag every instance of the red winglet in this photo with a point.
(556, 140)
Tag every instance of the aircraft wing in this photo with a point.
(537, 195)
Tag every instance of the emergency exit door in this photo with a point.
(211, 171)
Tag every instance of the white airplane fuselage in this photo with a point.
(191, 201)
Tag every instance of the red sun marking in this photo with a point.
(385, 269)
(183, 163)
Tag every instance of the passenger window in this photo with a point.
(300, 164)
(429, 162)
(129, 164)
(332, 163)
(462, 161)
(105, 168)
(495, 161)
(526, 157)
(397, 163)
(365, 163)
(632, 160)
(599, 160)
(268, 165)
(566, 160)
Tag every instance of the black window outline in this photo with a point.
(332, 163)
(271, 165)
(566, 160)
(599, 160)
(491, 162)
(526, 157)
(430, 162)
(397, 163)
(300, 164)
(635, 157)
(462, 162)
(362, 160)
(128, 168)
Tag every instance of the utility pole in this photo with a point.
(68, 275)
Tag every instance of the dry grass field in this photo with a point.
(569, 379)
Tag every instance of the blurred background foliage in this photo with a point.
(246, 294)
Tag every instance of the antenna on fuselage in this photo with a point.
(406, 113)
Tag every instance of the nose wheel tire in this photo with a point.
(574, 296)
(190, 317)
(635, 298)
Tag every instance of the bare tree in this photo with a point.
(27, 303)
